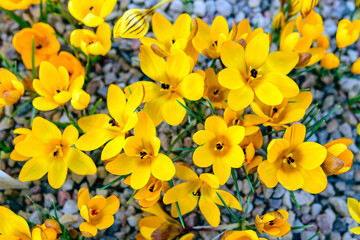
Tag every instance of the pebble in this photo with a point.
(304, 198)
(223, 8)
(254, 3)
(332, 126)
(315, 210)
(68, 185)
(346, 130)
(36, 217)
(133, 220)
(199, 8)
(325, 223)
(329, 191)
(70, 207)
(49, 198)
(177, 6)
(68, 219)
(63, 196)
(340, 206)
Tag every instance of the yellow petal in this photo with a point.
(315, 181)
(210, 179)
(216, 125)
(13, 225)
(295, 135)
(162, 167)
(116, 102)
(80, 163)
(228, 198)
(106, 222)
(221, 170)
(231, 78)
(191, 87)
(173, 112)
(257, 50)
(203, 136)
(152, 65)
(354, 209)
(236, 134)
(122, 165)
(179, 191)
(235, 156)
(70, 135)
(177, 66)
(355, 230)
(204, 156)
(282, 62)
(219, 27)
(83, 197)
(140, 176)
(87, 229)
(57, 173)
(267, 173)
(266, 91)
(184, 172)
(45, 130)
(94, 139)
(240, 98)
(35, 169)
(290, 177)
(209, 210)
(233, 56)
(162, 28)
(44, 104)
(113, 147)
(112, 205)
(309, 155)
(94, 122)
(154, 109)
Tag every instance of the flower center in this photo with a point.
(91, 8)
(216, 92)
(39, 46)
(219, 146)
(94, 212)
(271, 223)
(151, 188)
(114, 123)
(143, 154)
(253, 73)
(275, 110)
(197, 193)
(57, 152)
(165, 86)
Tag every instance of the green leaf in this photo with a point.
(16, 18)
(191, 112)
(92, 111)
(179, 137)
(294, 198)
(301, 227)
(177, 207)
(354, 100)
(228, 209)
(115, 181)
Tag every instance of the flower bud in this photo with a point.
(80, 99)
(355, 68)
(10, 88)
(278, 22)
(330, 61)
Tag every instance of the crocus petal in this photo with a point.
(152, 65)
(112, 205)
(80, 163)
(94, 122)
(154, 109)
(221, 170)
(13, 225)
(83, 197)
(179, 191)
(283, 83)
(216, 125)
(277, 149)
(315, 181)
(290, 177)
(309, 155)
(159, 24)
(295, 135)
(354, 209)
(192, 87)
(31, 146)
(209, 210)
(257, 50)
(267, 173)
(70, 135)
(184, 172)
(240, 98)
(106, 222)
(87, 229)
(122, 165)
(44, 104)
(57, 173)
(177, 66)
(162, 167)
(233, 56)
(228, 198)
(145, 128)
(98, 202)
(282, 62)
(236, 134)
(140, 176)
(116, 101)
(45, 130)
(235, 157)
(173, 112)
(35, 169)
(187, 203)
(231, 78)
(204, 156)
(94, 139)
(203, 136)
(355, 230)
(113, 147)
(266, 92)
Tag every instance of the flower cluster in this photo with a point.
(250, 114)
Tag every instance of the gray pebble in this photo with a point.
(70, 207)
(199, 8)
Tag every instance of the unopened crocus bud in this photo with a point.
(323, 42)
(307, 6)
(347, 32)
(278, 22)
(355, 68)
(10, 88)
(80, 99)
(330, 61)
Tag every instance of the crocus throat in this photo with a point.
(219, 146)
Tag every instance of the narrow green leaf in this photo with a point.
(18, 109)
(312, 133)
(228, 209)
(233, 174)
(179, 137)
(36, 206)
(301, 227)
(294, 198)
(132, 196)
(177, 207)
(16, 18)
(315, 125)
(308, 122)
(115, 181)
(182, 156)
(354, 100)
(211, 106)
(314, 235)
(191, 112)
(248, 178)
(309, 113)
(93, 110)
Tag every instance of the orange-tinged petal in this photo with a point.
(295, 135)
(112, 205)
(162, 167)
(231, 78)
(221, 170)
(204, 156)
(257, 50)
(98, 202)
(240, 98)
(35, 168)
(113, 147)
(309, 155)
(87, 229)
(228, 198)
(79, 162)
(277, 149)
(233, 56)
(267, 173)
(315, 180)
(45, 130)
(83, 197)
(290, 177)
(57, 173)
(173, 112)
(282, 62)
(177, 192)
(105, 222)
(140, 176)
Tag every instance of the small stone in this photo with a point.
(199, 8)
(308, 234)
(287, 200)
(340, 206)
(340, 225)
(224, 8)
(210, 8)
(68, 219)
(77, 178)
(63, 196)
(48, 200)
(304, 198)
(70, 207)
(315, 210)
(254, 3)
(346, 130)
(133, 220)
(275, 203)
(332, 126)
(340, 186)
(335, 236)
(279, 191)
(101, 172)
(36, 217)
(177, 6)
(68, 185)
(191, 220)
(329, 191)
(91, 179)
(325, 223)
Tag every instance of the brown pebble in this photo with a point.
(63, 196)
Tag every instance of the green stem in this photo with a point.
(71, 119)
(233, 174)
(66, 15)
(248, 178)
(211, 106)
(179, 137)
(16, 18)
(191, 112)
(305, 70)
(294, 198)
(177, 207)
(114, 181)
(307, 115)
(314, 235)
(132, 196)
(228, 209)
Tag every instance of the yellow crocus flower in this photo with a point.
(339, 158)
(219, 147)
(101, 128)
(347, 32)
(134, 23)
(10, 88)
(98, 43)
(354, 209)
(12, 5)
(198, 190)
(92, 12)
(142, 158)
(237, 235)
(311, 25)
(98, 212)
(306, 6)
(330, 61)
(355, 67)
(273, 223)
(70, 62)
(294, 163)
(55, 89)
(50, 151)
(254, 72)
